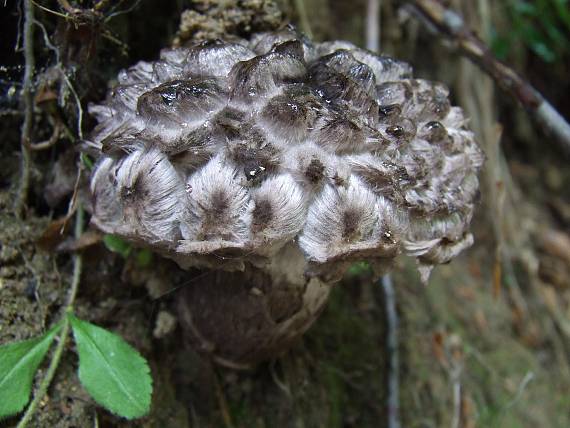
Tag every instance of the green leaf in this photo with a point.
(358, 269)
(113, 372)
(143, 258)
(500, 46)
(117, 245)
(87, 161)
(19, 362)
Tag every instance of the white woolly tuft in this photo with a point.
(107, 207)
(278, 210)
(344, 220)
(217, 207)
(151, 193)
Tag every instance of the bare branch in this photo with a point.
(453, 26)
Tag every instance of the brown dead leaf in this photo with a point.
(468, 411)
(438, 339)
(550, 298)
(54, 234)
(497, 278)
(532, 337)
(556, 243)
(481, 320)
(466, 292)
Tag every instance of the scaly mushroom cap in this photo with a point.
(234, 155)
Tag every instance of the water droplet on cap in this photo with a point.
(395, 131)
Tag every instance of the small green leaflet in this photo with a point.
(117, 245)
(18, 364)
(87, 161)
(143, 258)
(358, 269)
(113, 372)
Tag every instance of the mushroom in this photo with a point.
(275, 164)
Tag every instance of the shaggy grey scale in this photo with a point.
(228, 155)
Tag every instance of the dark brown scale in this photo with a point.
(350, 221)
(332, 85)
(255, 77)
(344, 130)
(293, 48)
(380, 183)
(262, 215)
(178, 101)
(315, 171)
(135, 194)
(286, 110)
(345, 91)
(219, 203)
(229, 123)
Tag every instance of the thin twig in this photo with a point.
(452, 25)
(373, 25)
(77, 260)
(64, 4)
(281, 384)
(392, 350)
(528, 378)
(56, 358)
(61, 15)
(456, 382)
(28, 100)
(54, 138)
(77, 101)
(47, 41)
(303, 18)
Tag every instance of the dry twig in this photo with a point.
(453, 26)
